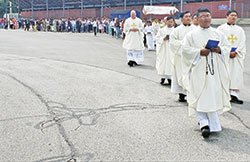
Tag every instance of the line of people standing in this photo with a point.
(12, 23)
(66, 25)
(96, 25)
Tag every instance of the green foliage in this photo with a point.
(2, 8)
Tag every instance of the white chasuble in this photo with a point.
(176, 39)
(133, 41)
(164, 54)
(208, 77)
(237, 38)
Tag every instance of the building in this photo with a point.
(102, 8)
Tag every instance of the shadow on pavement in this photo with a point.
(245, 106)
(231, 140)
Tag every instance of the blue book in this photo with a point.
(167, 36)
(212, 44)
(233, 49)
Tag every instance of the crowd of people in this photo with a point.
(95, 25)
(202, 64)
(78, 25)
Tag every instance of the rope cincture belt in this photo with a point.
(208, 67)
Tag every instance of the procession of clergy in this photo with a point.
(208, 79)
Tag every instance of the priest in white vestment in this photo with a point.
(208, 76)
(149, 31)
(176, 39)
(133, 42)
(164, 55)
(237, 38)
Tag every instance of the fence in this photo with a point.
(217, 8)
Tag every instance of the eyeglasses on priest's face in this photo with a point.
(205, 16)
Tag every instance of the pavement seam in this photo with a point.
(52, 114)
(239, 118)
(55, 110)
(65, 113)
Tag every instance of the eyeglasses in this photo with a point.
(233, 15)
(205, 16)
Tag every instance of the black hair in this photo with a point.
(170, 17)
(195, 14)
(202, 10)
(231, 11)
(184, 13)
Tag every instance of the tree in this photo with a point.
(2, 7)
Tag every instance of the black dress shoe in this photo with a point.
(162, 81)
(234, 99)
(205, 132)
(182, 98)
(130, 63)
(134, 63)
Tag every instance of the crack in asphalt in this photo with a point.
(65, 113)
(239, 118)
(24, 117)
(60, 113)
(52, 115)
(88, 156)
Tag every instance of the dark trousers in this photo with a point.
(145, 40)
(79, 29)
(95, 30)
(123, 35)
(27, 28)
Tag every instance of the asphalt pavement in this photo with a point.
(72, 97)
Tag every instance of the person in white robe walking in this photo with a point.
(237, 38)
(164, 54)
(176, 39)
(208, 83)
(149, 31)
(133, 42)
